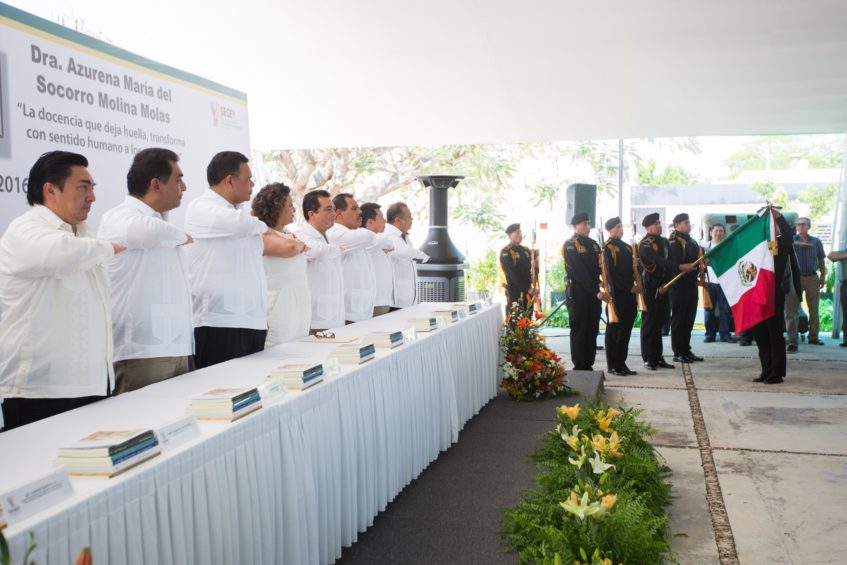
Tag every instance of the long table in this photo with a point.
(294, 482)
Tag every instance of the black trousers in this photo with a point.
(683, 311)
(216, 345)
(514, 294)
(617, 335)
(771, 341)
(584, 317)
(657, 314)
(22, 411)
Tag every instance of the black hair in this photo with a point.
(340, 200)
(369, 212)
(149, 164)
(53, 167)
(311, 202)
(224, 164)
(394, 211)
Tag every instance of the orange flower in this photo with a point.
(523, 322)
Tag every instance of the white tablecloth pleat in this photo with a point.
(293, 483)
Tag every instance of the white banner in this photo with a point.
(60, 89)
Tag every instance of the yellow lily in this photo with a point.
(612, 413)
(570, 411)
(573, 442)
(614, 446)
(609, 500)
(599, 443)
(605, 423)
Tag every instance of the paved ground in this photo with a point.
(776, 454)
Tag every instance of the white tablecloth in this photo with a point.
(292, 483)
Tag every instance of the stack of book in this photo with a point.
(298, 377)
(354, 354)
(107, 453)
(227, 404)
(449, 316)
(385, 340)
(423, 324)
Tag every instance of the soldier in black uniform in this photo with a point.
(769, 333)
(582, 265)
(619, 265)
(657, 270)
(516, 261)
(683, 249)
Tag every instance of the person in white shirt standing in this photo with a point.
(289, 300)
(324, 262)
(356, 266)
(403, 257)
(373, 220)
(225, 268)
(56, 333)
(151, 302)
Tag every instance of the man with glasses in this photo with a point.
(810, 258)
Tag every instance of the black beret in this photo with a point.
(578, 218)
(512, 228)
(680, 218)
(650, 219)
(612, 222)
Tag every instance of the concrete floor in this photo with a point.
(779, 451)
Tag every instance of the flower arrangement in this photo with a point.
(601, 494)
(530, 370)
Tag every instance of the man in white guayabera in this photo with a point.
(56, 332)
(151, 300)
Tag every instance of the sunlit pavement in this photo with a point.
(779, 452)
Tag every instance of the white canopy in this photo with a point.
(330, 73)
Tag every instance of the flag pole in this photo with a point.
(673, 280)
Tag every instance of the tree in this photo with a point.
(672, 174)
(772, 193)
(774, 152)
(821, 201)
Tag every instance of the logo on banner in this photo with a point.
(223, 116)
(747, 272)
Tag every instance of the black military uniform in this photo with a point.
(582, 265)
(618, 257)
(769, 333)
(516, 262)
(683, 293)
(657, 270)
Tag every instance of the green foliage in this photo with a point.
(558, 320)
(770, 192)
(6, 554)
(482, 275)
(777, 151)
(556, 275)
(633, 531)
(821, 201)
(825, 315)
(672, 174)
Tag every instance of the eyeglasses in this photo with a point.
(325, 335)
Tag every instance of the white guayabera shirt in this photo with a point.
(56, 332)
(405, 274)
(383, 271)
(225, 269)
(151, 299)
(357, 270)
(326, 282)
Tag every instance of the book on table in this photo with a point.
(385, 340)
(354, 354)
(108, 452)
(227, 404)
(423, 324)
(450, 316)
(298, 376)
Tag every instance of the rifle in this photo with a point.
(613, 316)
(636, 274)
(533, 274)
(707, 298)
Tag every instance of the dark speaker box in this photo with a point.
(582, 198)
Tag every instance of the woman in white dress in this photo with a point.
(289, 301)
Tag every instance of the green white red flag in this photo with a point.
(744, 265)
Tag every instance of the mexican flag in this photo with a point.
(743, 264)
